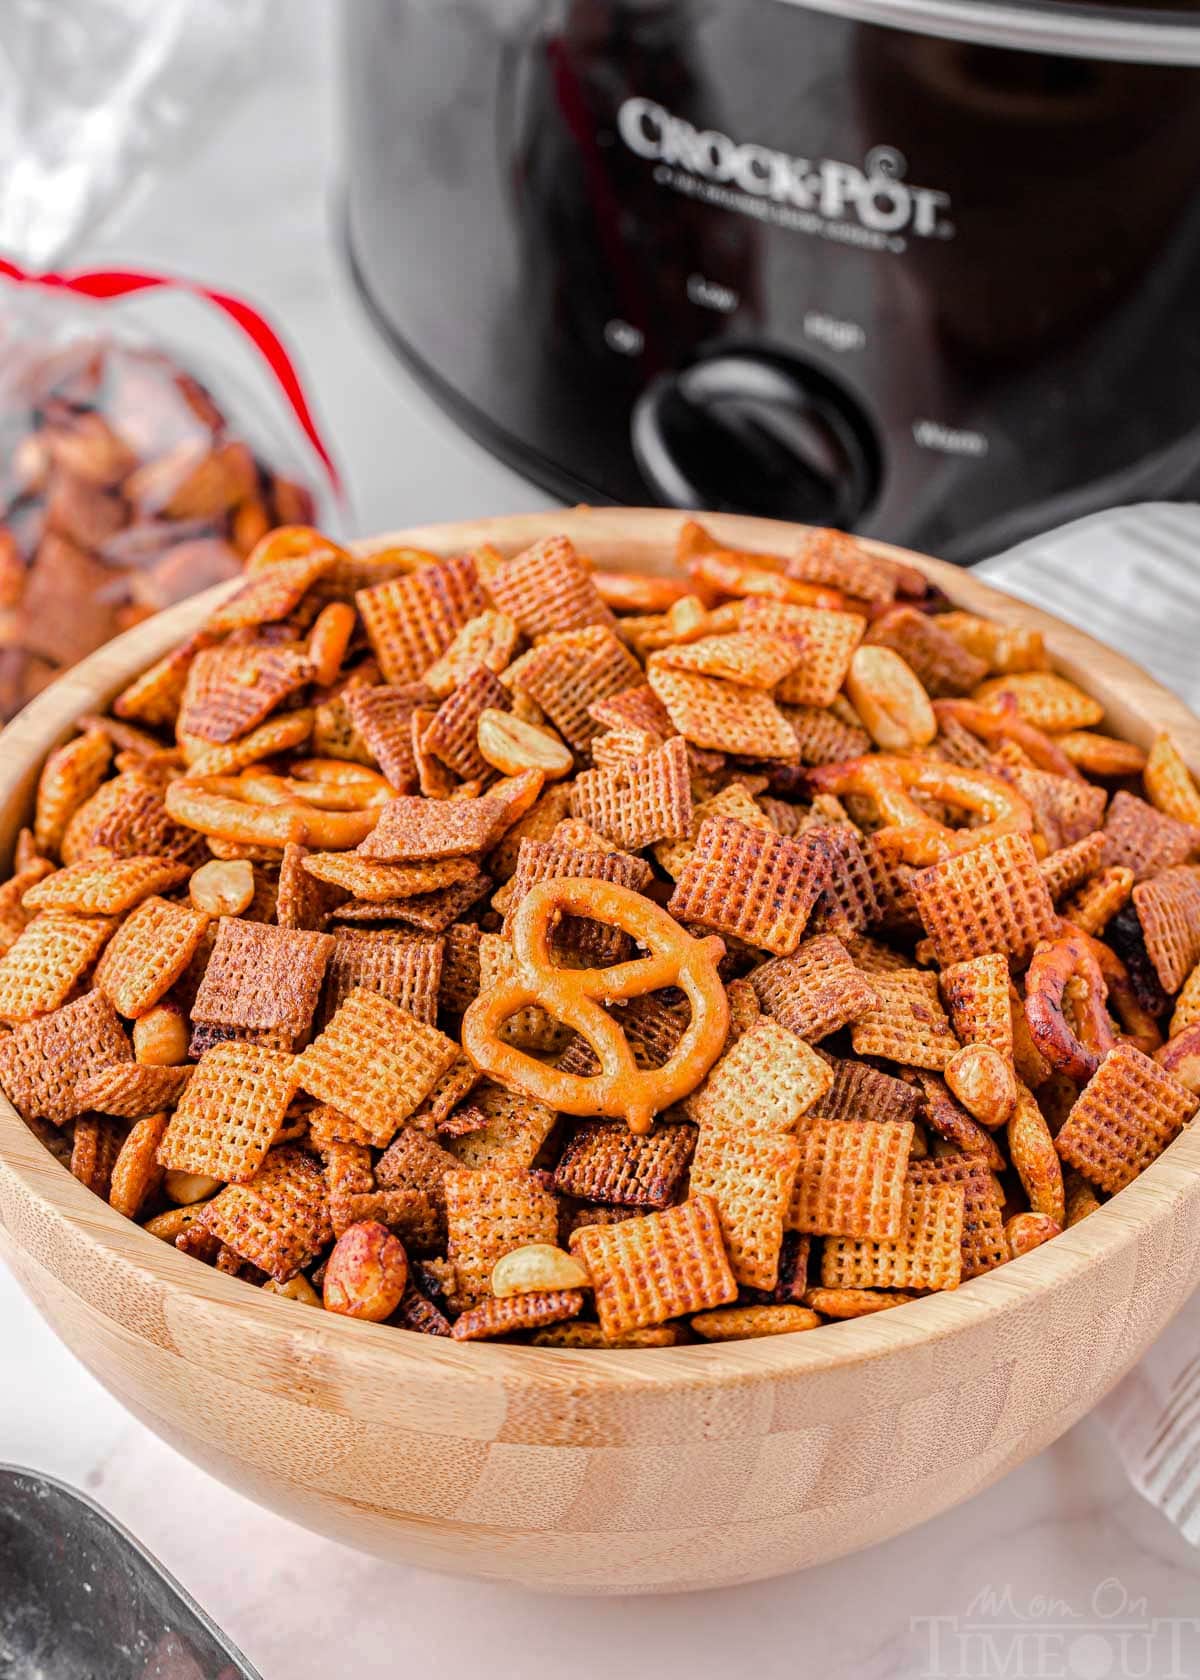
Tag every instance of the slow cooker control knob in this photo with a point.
(756, 430)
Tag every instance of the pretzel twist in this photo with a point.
(1057, 964)
(261, 809)
(1001, 720)
(909, 833)
(621, 1090)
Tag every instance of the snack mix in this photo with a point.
(496, 947)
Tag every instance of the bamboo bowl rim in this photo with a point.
(642, 538)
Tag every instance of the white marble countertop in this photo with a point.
(964, 1596)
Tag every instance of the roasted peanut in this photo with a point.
(366, 1273)
(160, 1037)
(1181, 1057)
(511, 745)
(537, 1266)
(167, 1226)
(187, 1188)
(984, 1083)
(895, 710)
(1027, 1231)
(296, 1288)
(222, 889)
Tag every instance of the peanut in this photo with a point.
(511, 745)
(167, 1226)
(187, 1188)
(1181, 1057)
(537, 1266)
(366, 1273)
(160, 1037)
(984, 1083)
(296, 1288)
(1027, 1231)
(895, 709)
(222, 888)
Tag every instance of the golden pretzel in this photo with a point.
(1001, 720)
(253, 811)
(910, 834)
(1077, 1051)
(621, 1090)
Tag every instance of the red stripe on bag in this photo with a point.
(118, 283)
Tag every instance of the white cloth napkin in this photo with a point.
(1131, 577)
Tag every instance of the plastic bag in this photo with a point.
(132, 473)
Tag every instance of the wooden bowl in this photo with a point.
(587, 1471)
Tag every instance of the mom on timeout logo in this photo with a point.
(1114, 1636)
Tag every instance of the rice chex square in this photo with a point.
(851, 1177)
(984, 1245)
(750, 1176)
(907, 1024)
(46, 961)
(639, 800)
(927, 1253)
(489, 1212)
(992, 898)
(763, 1084)
(148, 953)
(1123, 1119)
(278, 1221)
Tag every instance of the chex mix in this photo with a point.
(492, 946)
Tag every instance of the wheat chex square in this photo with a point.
(851, 1177)
(1123, 1119)
(412, 828)
(148, 953)
(511, 1129)
(43, 1062)
(46, 961)
(761, 887)
(547, 588)
(132, 1090)
(862, 1092)
(550, 860)
(1168, 908)
(375, 1062)
(639, 800)
(382, 714)
(405, 968)
(230, 1112)
(656, 1266)
(606, 1162)
(764, 1083)
(260, 976)
(829, 638)
(750, 1176)
(1145, 840)
(570, 672)
(231, 689)
(279, 1221)
(927, 1254)
(816, 991)
(992, 898)
(410, 621)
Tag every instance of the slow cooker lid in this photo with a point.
(1137, 34)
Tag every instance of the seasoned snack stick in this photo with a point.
(420, 917)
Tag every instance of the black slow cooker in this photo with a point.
(927, 269)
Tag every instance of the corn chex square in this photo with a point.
(756, 659)
(1145, 840)
(46, 961)
(131, 1090)
(570, 672)
(729, 717)
(1071, 866)
(907, 1024)
(984, 1244)
(816, 991)
(1168, 908)
(976, 993)
(410, 621)
(927, 1253)
(512, 1129)
(763, 1084)
(1123, 1119)
(43, 1062)
(512, 1313)
(638, 800)
(656, 1266)
(105, 889)
(759, 886)
(489, 1212)
(829, 639)
(992, 898)
(750, 1177)
(375, 1062)
(278, 1221)
(148, 953)
(606, 1162)
(412, 828)
(851, 1177)
(230, 1112)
